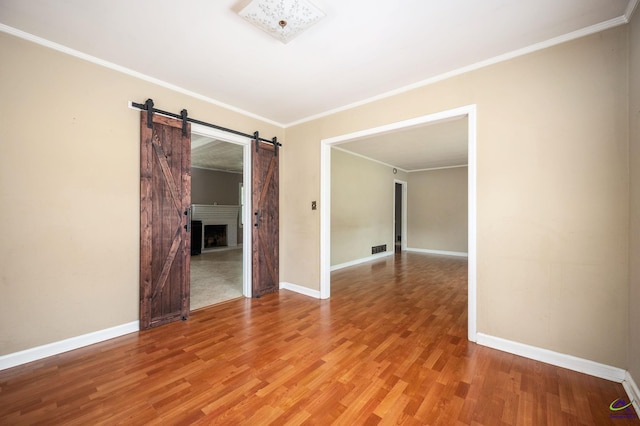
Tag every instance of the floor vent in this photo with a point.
(378, 249)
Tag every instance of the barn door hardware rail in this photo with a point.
(148, 106)
(274, 141)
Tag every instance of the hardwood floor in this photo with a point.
(389, 347)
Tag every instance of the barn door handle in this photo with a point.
(257, 214)
(187, 213)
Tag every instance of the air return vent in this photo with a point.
(378, 249)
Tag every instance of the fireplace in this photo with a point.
(214, 218)
(215, 236)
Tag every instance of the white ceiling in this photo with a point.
(208, 153)
(360, 51)
(429, 146)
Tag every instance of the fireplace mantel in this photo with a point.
(211, 214)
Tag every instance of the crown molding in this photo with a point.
(368, 158)
(124, 70)
(611, 23)
(631, 8)
(439, 168)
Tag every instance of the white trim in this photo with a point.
(570, 362)
(299, 289)
(593, 29)
(621, 20)
(438, 168)
(246, 179)
(400, 125)
(325, 220)
(69, 51)
(370, 159)
(362, 260)
(472, 202)
(628, 14)
(247, 236)
(633, 392)
(439, 252)
(55, 348)
(325, 197)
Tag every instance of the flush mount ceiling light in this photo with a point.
(283, 19)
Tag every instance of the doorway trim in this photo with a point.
(246, 187)
(468, 111)
(403, 212)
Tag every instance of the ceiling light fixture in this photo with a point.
(283, 19)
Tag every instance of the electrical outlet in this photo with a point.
(314, 206)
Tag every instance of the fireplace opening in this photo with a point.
(215, 236)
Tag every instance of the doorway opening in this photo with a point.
(221, 188)
(400, 215)
(468, 112)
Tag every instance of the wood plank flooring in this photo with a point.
(389, 347)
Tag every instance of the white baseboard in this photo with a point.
(55, 348)
(363, 260)
(554, 358)
(633, 392)
(299, 289)
(441, 252)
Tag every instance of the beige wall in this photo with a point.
(69, 191)
(362, 201)
(634, 294)
(553, 198)
(553, 208)
(437, 210)
(213, 186)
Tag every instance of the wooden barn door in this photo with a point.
(264, 188)
(165, 194)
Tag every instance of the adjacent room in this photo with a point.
(216, 221)
(416, 175)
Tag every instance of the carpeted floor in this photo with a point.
(216, 276)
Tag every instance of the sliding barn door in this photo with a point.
(264, 188)
(165, 193)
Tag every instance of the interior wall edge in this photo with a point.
(633, 392)
(55, 348)
(438, 252)
(581, 365)
(300, 289)
(362, 260)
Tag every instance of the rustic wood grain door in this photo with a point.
(165, 194)
(265, 245)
